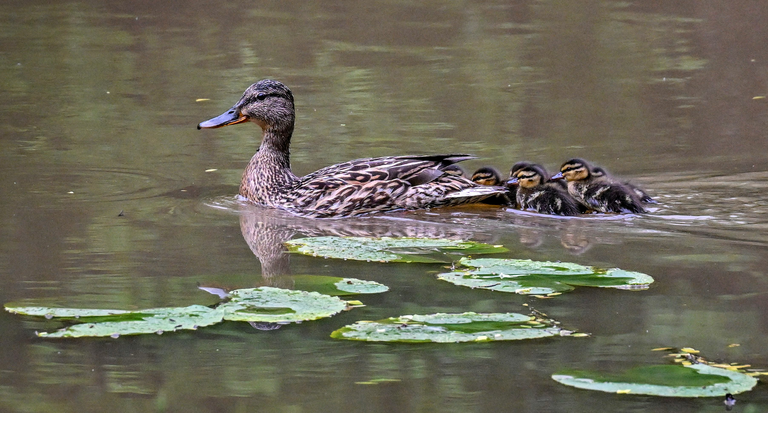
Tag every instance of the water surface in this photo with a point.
(111, 198)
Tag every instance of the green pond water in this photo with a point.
(110, 197)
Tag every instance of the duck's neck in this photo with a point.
(269, 171)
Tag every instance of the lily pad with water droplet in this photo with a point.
(385, 249)
(540, 277)
(449, 328)
(695, 380)
(103, 323)
(267, 304)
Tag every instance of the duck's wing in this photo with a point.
(415, 169)
(389, 183)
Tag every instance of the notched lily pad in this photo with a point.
(111, 323)
(277, 305)
(540, 277)
(385, 249)
(693, 380)
(448, 328)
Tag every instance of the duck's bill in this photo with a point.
(513, 181)
(230, 117)
(557, 176)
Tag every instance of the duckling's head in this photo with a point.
(455, 170)
(517, 167)
(487, 176)
(597, 171)
(529, 176)
(267, 103)
(574, 170)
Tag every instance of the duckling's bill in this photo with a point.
(230, 117)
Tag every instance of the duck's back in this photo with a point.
(382, 184)
(606, 197)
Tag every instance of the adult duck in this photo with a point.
(352, 188)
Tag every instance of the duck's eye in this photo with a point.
(261, 96)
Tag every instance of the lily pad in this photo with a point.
(385, 249)
(337, 286)
(277, 305)
(53, 312)
(449, 328)
(540, 277)
(116, 323)
(694, 380)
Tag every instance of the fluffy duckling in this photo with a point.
(598, 192)
(490, 176)
(644, 197)
(535, 193)
(487, 176)
(455, 170)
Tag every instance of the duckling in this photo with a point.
(456, 170)
(535, 193)
(358, 187)
(644, 197)
(487, 176)
(597, 193)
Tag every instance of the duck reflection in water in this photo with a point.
(266, 230)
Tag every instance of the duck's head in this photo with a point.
(267, 103)
(528, 176)
(574, 170)
(487, 176)
(517, 167)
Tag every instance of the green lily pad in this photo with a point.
(53, 312)
(695, 380)
(277, 305)
(337, 286)
(540, 277)
(114, 323)
(385, 249)
(449, 328)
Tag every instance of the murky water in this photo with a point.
(109, 198)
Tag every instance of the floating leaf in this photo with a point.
(540, 277)
(385, 249)
(52, 312)
(448, 328)
(132, 323)
(695, 380)
(277, 305)
(337, 286)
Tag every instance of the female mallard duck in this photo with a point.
(352, 188)
(598, 192)
(535, 193)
